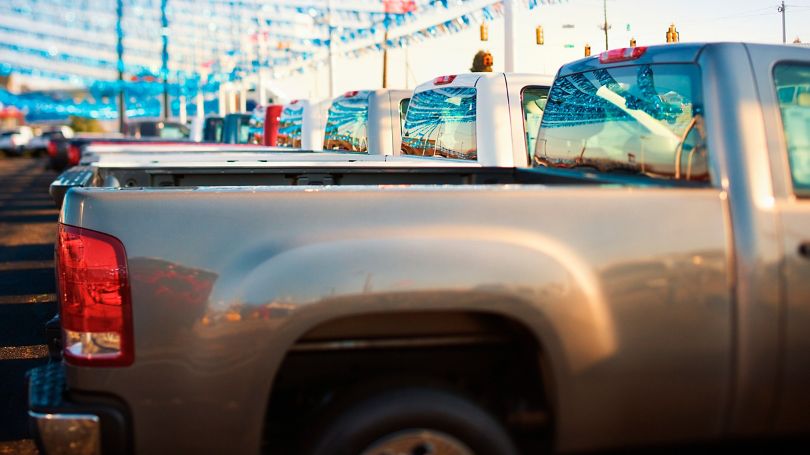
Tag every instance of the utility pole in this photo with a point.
(784, 31)
(331, 52)
(119, 47)
(164, 69)
(385, 50)
(605, 26)
(510, 27)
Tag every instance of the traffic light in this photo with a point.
(632, 42)
(539, 35)
(587, 50)
(672, 34)
(484, 32)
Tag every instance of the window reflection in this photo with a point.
(793, 90)
(643, 120)
(289, 126)
(441, 123)
(346, 127)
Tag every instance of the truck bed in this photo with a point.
(357, 174)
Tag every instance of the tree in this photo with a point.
(85, 125)
(482, 62)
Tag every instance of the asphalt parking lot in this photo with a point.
(27, 289)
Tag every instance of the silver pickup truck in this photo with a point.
(645, 283)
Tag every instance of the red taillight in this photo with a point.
(51, 148)
(74, 154)
(444, 80)
(622, 55)
(350, 94)
(94, 298)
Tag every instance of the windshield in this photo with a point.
(289, 127)
(441, 123)
(346, 127)
(644, 120)
(212, 130)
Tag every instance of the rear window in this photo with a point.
(645, 120)
(441, 123)
(170, 131)
(533, 100)
(289, 127)
(793, 87)
(347, 123)
(212, 131)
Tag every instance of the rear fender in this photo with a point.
(518, 275)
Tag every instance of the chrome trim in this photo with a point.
(68, 434)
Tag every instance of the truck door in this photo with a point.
(792, 89)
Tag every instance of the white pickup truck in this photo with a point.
(499, 113)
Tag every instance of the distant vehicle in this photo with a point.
(196, 126)
(491, 118)
(212, 128)
(163, 129)
(13, 142)
(264, 124)
(38, 145)
(301, 125)
(236, 129)
(365, 120)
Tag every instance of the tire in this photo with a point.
(416, 421)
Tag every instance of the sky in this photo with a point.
(645, 20)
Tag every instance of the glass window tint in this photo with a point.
(256, 134)
(244, 132)
(347, 123)
(289, 126)
(534, 103)
(793, 88)
(212, 131)
(173, 132)
(403, 111)
(441, 123)
(645, 120)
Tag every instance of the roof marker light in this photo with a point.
(622, 55)
(444, 80)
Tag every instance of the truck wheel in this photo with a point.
(413, 421)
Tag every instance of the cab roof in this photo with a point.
(662, 53)
(471, 79)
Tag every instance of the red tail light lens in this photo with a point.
(94, 298)
(622, 55)
(74, 154)
(444, 80)
(51, 148)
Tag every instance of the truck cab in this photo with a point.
(367, 121)
(491, 118)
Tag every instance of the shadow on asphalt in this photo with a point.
(27, 289)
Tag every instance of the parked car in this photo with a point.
(264, 124)
(236, 129)
(38, 145)
(13, 142)
(365, 120)
(212, 129)
(301, 125)
(157, 128)
(653, 263)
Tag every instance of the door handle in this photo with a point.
(804, 250)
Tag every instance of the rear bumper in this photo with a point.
(69, 423)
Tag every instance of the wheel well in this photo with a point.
(490, 359)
